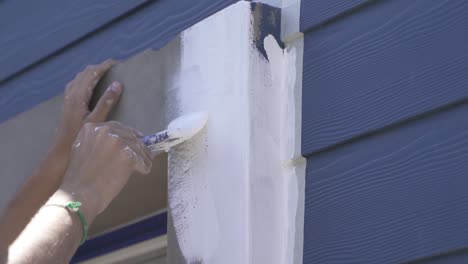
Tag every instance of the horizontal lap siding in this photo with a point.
(385, 97)
(31, 30)
(150, 27)
(393, 197)
(454, 257)
(385, 64)
(316, 12)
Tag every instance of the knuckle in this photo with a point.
(115, 141)
(114, 123)
(101, 130)
(104, 129)
(88, 126)
(127, 154)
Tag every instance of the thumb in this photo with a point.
(106, 103)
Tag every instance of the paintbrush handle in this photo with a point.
(155, 138)
(160, 142)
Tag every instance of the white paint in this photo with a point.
(235, 189)
(186, 126)
(296, 200)
(276, 174)
(179, 130)
(208, 176)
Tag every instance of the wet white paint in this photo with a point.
(208, 176)
(275, 174)
(179, 130)
(235, 188)
(186, 126)
(286, 72)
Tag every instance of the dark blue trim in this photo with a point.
(267, 21)
(148, 228)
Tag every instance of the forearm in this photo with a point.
(33, 194)
(49, 175)
(52, 236)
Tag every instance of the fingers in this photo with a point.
(140, 163)
(134, 150)
(106, 103)
(118, 125)
(93, 73)
(91, 76)
(138, 155)
(84, 83)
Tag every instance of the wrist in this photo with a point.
(58, 156)
(63, 196)
(60, 149)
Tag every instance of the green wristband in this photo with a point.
(75, 207)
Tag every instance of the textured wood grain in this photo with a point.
(151, 27)
(315, 12)
(32, 30)
(392, 61)
(393, 197)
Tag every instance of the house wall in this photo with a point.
(143, 34)
(384, 132)
(383, 98)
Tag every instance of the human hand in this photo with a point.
(104, 156)
(48, 176)
(75, 110)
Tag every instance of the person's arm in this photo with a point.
(103, 158)
(52, 230)
(48, 176)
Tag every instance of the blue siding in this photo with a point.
(385, 100)
(317, 12)
(396, 196)
(382, 65)
(453, 257)
(150, 27)
(32, 30)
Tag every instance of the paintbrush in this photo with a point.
(178, 131)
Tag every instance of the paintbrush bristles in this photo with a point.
(178, 131)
